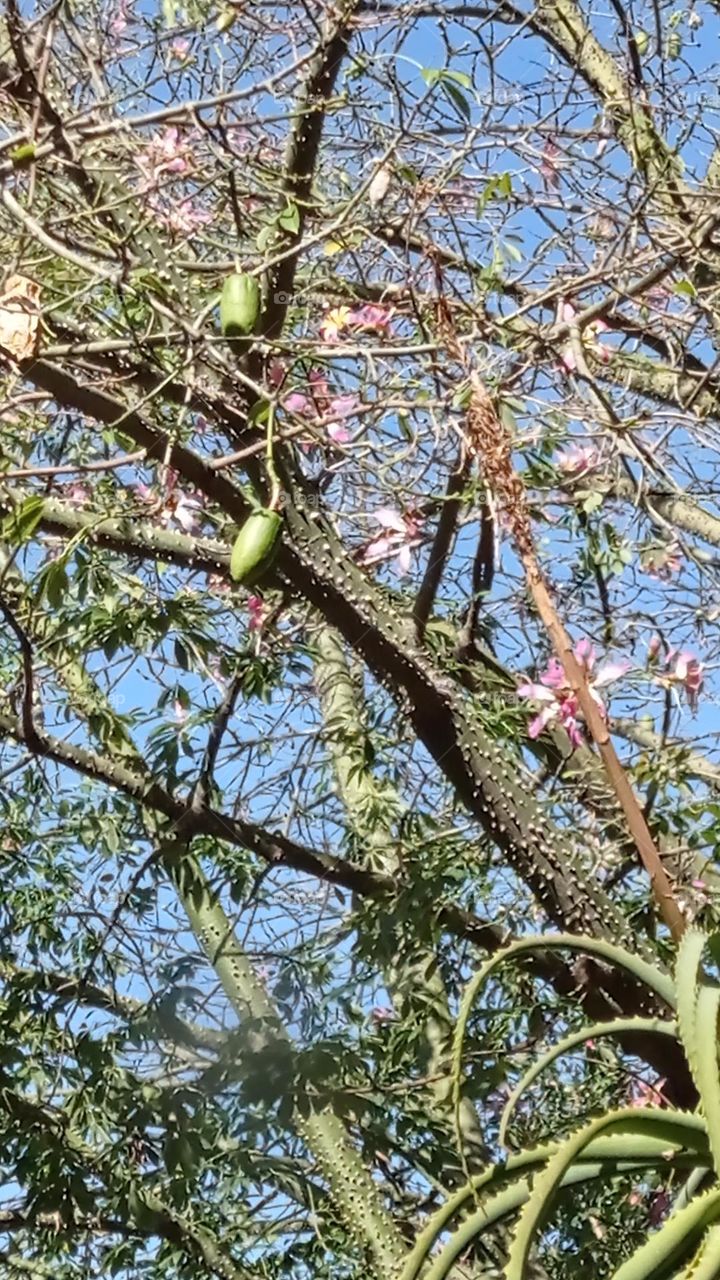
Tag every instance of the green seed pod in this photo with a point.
(255, 546)
(239, 305)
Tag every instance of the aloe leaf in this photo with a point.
(610, 1152)
(670, 1245)
(708, 1082)
(679, 1129)
(706, 1263)
(687, 981)
(641, 970)
(593, 1031)
(515, 1196)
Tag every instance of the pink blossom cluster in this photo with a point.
(168, 153)
(577, 459)
(558, 702)
(681, 668)
(174, 505)
(371, 318)
(319, 404)
(400, 532)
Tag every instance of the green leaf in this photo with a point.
(21, 523)
(677, 1130)
(460, 77)
(616, 1027)
(55, 583)
(266, 236)
(457, 99)
(289, 219)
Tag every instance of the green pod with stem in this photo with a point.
(255, 546)
(239, 305)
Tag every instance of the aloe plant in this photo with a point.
(523, 1190)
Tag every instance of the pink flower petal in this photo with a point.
(338, 433)
(554, 675)
(255, 608)
(405, 558)
(380, 548)
(536, 691)
(585, 653)
(610, 671)
(343, 406)
(538, 724)
(296, 402)
(390, 519)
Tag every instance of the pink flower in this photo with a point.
(183, 218)
(663, 562)
(319, 404)
(689, 672)
(77, 492)
(179, 49)
(654, 647)
(338, 433)
(174, 506)
(188, 512)
(400, 536)
(341, 407)
(256, 610)
(145, 493)
(165, 153)
(549, 166)
(320, 389)
(647, 1095)
(296, 402)
(558, 702)
(119, 22)
(576, 459)
(382, 1013)
(371, 316)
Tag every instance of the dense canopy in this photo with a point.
(438, 286)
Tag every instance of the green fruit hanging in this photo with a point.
(239, 305)
(255, 546)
